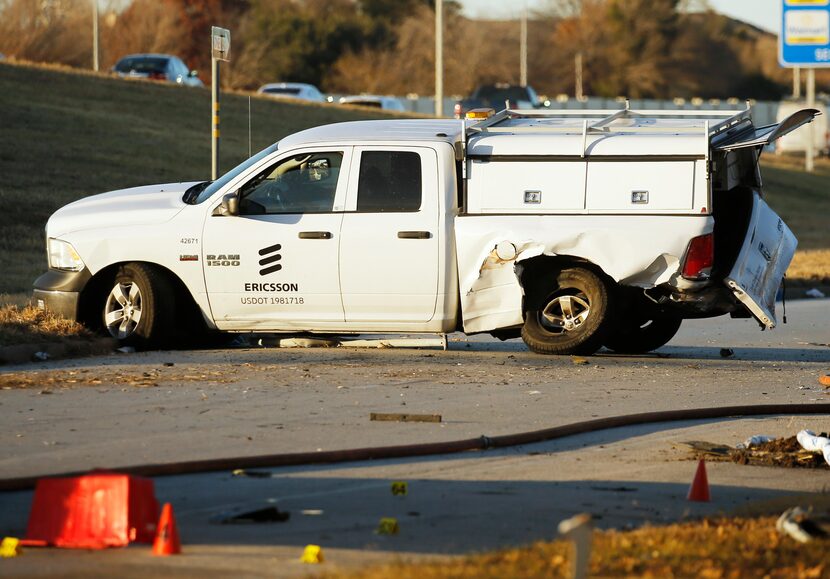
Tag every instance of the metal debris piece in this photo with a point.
(265, 515)
(709, 448)
(802, 526)
(727, 352)
(252, 473)
(398, 417)
(579, 361)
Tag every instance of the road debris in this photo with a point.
(727, 352)
(801, 526)
(40, 356)
(252, 473)
(754, 441)
(824, 380)
(265, 515)
(398, 417)
(126, 350)
(711, 449)
(580, 361)
(814, 293)
(780, 452)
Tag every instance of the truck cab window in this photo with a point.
(390, 181)
(304, 183)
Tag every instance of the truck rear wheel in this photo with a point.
(643, 333)
(139, 306)
(572, 318)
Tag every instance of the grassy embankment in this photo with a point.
(66, 135)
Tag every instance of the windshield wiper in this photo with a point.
(192, 193)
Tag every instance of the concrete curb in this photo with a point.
(22, 353)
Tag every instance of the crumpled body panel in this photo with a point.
(635, 250)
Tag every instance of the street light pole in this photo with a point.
(95, 35)
(439, 58)
(523, 50)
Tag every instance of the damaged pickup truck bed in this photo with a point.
(573, 229)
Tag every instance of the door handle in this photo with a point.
(315, 235)
(414, 234)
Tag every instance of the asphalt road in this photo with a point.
(132, 409)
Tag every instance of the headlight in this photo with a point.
(63, 256)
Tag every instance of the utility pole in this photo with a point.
(439, 58)
(811, 135)
(523, 49)
(578, 79)
(797, 82)
(95, 35)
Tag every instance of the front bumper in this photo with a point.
(60, 292)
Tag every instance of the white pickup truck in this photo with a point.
(573, 229)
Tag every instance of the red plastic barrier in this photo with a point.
(94, 511)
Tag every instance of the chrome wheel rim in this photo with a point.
(565, 314)
(123, 310)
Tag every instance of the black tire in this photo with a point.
(642, 333)
(139, 287)
(590, 299)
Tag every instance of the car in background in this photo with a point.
(498, 96)
(292, 90)
(164, 67)
(387, 103)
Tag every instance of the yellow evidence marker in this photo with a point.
(10, 547)
(399, 488)
(312, 554)
(388, 526)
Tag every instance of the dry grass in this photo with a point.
(728, 547)
(29, 325)
(812, 265)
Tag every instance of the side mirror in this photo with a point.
(193, 73)
(229, 206)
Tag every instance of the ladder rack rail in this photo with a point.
(718, 121)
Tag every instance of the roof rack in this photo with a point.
(603, 121)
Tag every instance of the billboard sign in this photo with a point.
(804, 39)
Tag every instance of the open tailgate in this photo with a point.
(768, 248)
(760, 136)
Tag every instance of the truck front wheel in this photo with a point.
(572, 318)
(138, 306)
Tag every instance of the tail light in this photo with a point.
(699, 258)
(457, 110)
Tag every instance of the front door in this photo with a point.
(274, 266)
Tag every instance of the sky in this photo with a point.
(765, 14)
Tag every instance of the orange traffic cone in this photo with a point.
(699, 491)
(167, 535)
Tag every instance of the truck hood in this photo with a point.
(135, 206)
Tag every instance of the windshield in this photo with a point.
(291, 91)
(141, 64)
(212, 188)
